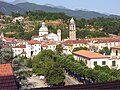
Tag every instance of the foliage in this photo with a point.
(105, 50)
(103, 26)
(29, 63)
(6, 55)
(80, 48)
(44, 64)
(90, 34)
(16, 14)
(41, 15)
(59, 49)
(98, 74)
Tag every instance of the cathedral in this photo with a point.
(45, 35)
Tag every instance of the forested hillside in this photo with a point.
(86, 28)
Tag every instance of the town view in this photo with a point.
(49, 44)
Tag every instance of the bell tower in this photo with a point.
(72, 30)
(59, 34)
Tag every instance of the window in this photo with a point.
(113, 63)
(95, 62)
(116, 53)
(103, 62)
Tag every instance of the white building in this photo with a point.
(69, 45)
(59, 35)
(90, 58)
(9, 41)
(20, 19)
(43, 30)
(52, 36)
(44, 35)
(19, 50)
(96, 44)
(72, 30)
(49, 44)
(33, 48)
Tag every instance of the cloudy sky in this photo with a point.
(103, 6)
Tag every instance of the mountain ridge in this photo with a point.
(7, 8)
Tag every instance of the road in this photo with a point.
(36, 82)
(70, 80)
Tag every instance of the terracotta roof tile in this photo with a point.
(7, 80)
(105, 39)
(71, 42)
(116, 47)
(89, 54)
(5, 70)
(9, 39)
(34, 42)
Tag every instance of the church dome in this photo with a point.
(43, 28)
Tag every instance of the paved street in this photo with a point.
(36, 82)
(70, 80)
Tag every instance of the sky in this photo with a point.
(102, 6)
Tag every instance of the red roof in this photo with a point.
(89, 54)
(71, 42)
(116, 47)
(9, 39)
(34, 42)
(5, 70)
(105, 39)
(7, 80)
(20, 46)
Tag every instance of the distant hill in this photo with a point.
(7, 8)
(75, 13)
(18, 1)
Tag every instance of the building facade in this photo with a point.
(91, 59)
(43, 30)
(72, 30)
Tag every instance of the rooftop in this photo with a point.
(20, 46)
(71, 42)
(7, 80)
(9, 39)
(88, 54)
(116, 47)
(34, 42)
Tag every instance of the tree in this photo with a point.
(103, 77)
(59, 49)
(105, 51)
(29, 63)
(6, 55)
(44, 54)
(80, 48)
(45, 64)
